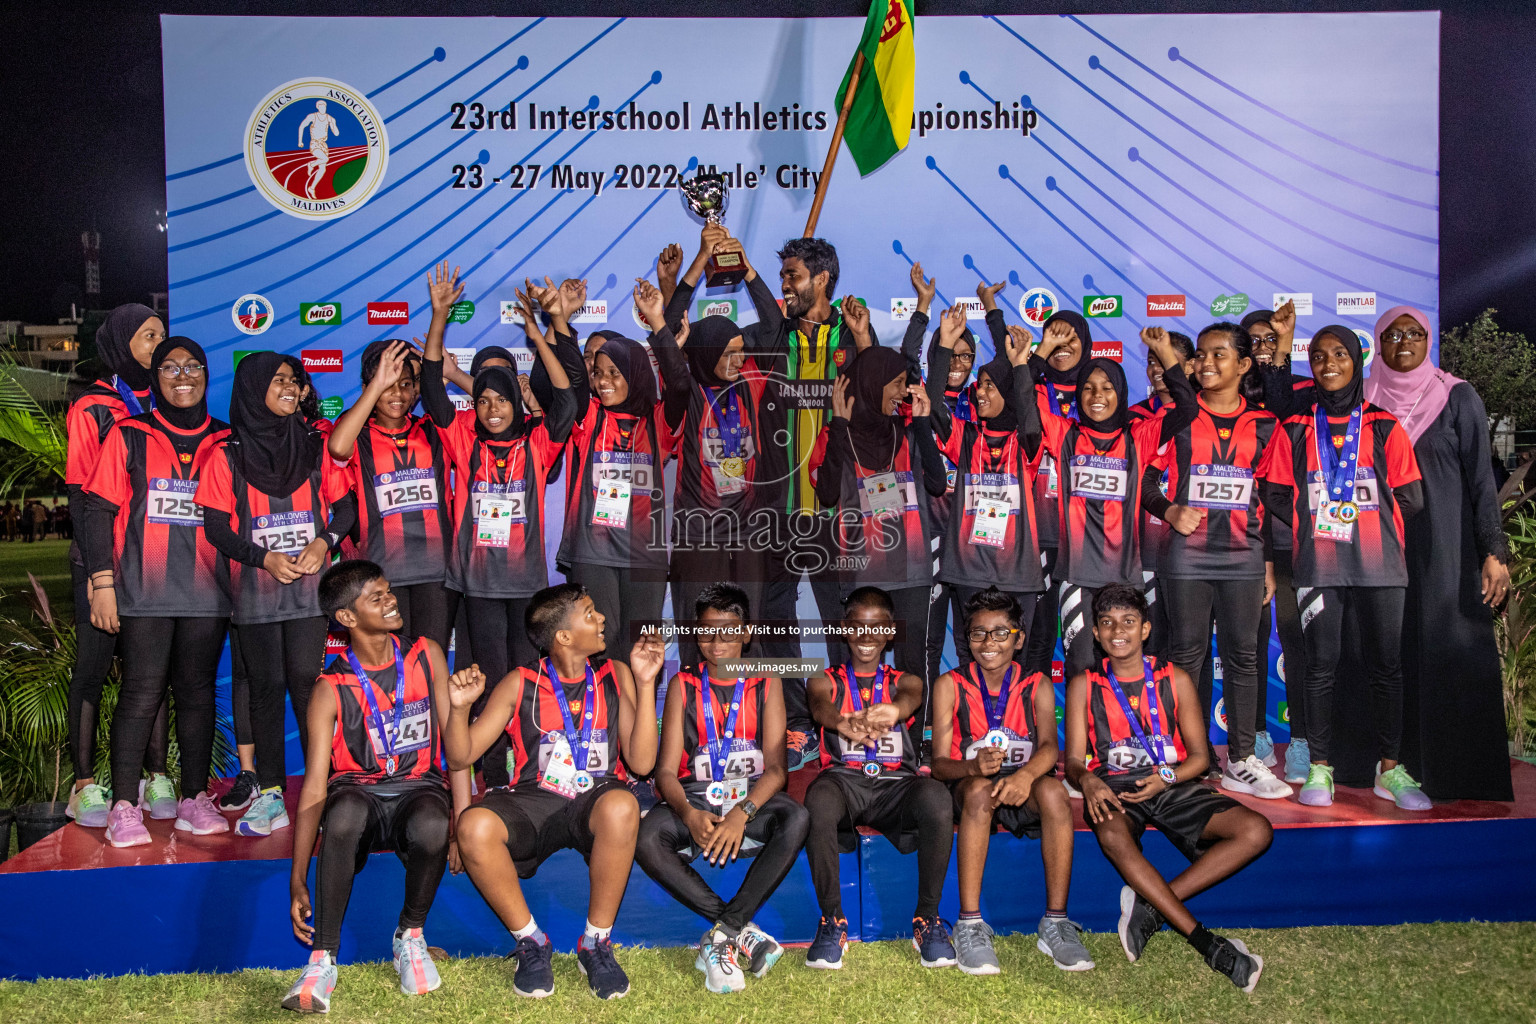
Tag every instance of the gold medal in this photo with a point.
(733, 467)
(1347, 511)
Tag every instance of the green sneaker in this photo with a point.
(1318, 792)
(89, 806)
(1399, 787)
(159, 798)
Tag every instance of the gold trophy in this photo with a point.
(706, 195)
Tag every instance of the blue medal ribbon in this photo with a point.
(1338, 465)
(131, 400)
(1069, 411)
(728, 422)
(876, 696)
(1154, 750)
(387, 737)
(581, 743)
(995, 711)
(718, 750)
(962, 405)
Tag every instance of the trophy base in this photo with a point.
(725, 269)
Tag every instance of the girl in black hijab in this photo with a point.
(119, 388)
(1347, 540)
(1103, 456)
(879, 471)
(989, 540)
(158, 581)
(276, 505)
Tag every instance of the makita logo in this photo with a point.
(389, 312)
(321, 360)
(1107, 350)
(1165, 305)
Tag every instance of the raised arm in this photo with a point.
(637, 703)
(1180, 394)
(676, 379)
(951, 327)
(1026, 410)
(343, 440)
(445, 289)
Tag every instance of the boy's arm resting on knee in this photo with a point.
(306, 825)
(946, 768)
(1191, 728)
(1077, 731)
(671, 753)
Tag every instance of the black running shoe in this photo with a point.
(603, 972)
(1231, 958)
(1139, 921)
(535, 977)
(241, 793)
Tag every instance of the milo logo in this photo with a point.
(1101, 305)
(316, 313)
(715, 307)
(1229, 305)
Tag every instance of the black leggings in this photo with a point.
(184, 655)
(93, 660)
(1379, 611)
(425, 609)
(280, 657)
(411, 820)
(1040, 648)
(959, 594)
(623, 597)
(1235, 606)
(781, 825)
(499, 633)
(1287, 622)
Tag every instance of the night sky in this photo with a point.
(84, 147)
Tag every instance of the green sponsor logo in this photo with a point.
(1061, 715)
(314, 314)
(715, 307)
(331, 406)
(1285, 712)
(1229, 305)
(241, 353)
(461, 312)
(1102, 305)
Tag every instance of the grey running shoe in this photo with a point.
(1139, 921)
(973, 947)
(1062, 941)
(1231, 958)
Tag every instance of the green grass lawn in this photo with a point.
(1414, 974)
(48, 560)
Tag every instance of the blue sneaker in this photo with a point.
(265, 814)
(1264, 748)
(930, 937)
(826, 952)
(535, 977)
(605, 977)
(1298, 761)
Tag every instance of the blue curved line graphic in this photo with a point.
(438, 56)
(213, 202)
(519, 65)
(896, 247)
(1175, 55)
(205, 167)
(1264, 140)
(969, 263)
(692, 163)
(1098, 65)
(445, 83)
(1172, 150)
(528, 256)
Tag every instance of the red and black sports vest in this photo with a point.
(357, 751)
(745, 757)
(837, 753)
(970, 723)
(1112, 745)
(404, 501)
(536, 723)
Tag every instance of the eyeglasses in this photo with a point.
(1393, 337)
(170, 371)
(963, 357)
(1264, 339)
(726, 634)
(976, 636)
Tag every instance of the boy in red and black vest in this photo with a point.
(372, 781)
(994, 741)
(721, 771)
(570, 718)
(1136, 748)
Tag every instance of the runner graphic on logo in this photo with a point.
(321, 127)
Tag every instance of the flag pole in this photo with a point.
(837, 143)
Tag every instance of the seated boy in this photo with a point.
(721, 772)
(1136, 747)
(371, 781)
(570, 719)
(870, 779)
(994, 740)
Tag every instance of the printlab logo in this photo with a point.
(1036, 306)
(316, 148)
(1356, 303)
(594, 312)
(321, 360)
(389, 313)
(252, 314)
(715, 307)
(1229, 305)
(1167, 305)
(974, 310)
(1102, 305)
(314, 314)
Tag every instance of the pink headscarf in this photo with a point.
(1416, 397)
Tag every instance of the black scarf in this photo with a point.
(1116, 374)
(504, 383)
(113, 346)
(634, 365)
(875, 434)
(489, 352)
(1000, 370)
(1068, 378)
(1345, 400)
(181, 419)
(275, 454)
(1256, 316)
(707, 341)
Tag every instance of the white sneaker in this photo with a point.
(413, 963)
(1250, 775)
(312, 992)
(1072, 791)
(717, 959)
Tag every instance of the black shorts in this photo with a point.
(1021, 821)
(540, 822)
(754, 836)
(390, 806)
(1179, 812)
(881, 803)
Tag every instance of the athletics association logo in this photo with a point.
(1036, 306)
(316, 148)
(252, 314)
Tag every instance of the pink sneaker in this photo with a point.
(199, 816)
(125, 826)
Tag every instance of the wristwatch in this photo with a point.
(748, 808)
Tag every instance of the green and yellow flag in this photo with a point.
(880, 120)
